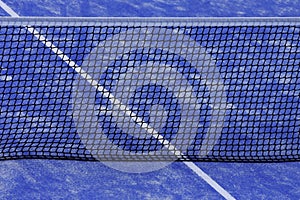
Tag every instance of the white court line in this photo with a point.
(122, 107)
(10, 11)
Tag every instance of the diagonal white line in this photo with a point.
(122, 107)
(10, 11)
(209, 180)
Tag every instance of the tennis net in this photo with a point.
(155, 89)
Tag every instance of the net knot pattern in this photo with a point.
(150, 90)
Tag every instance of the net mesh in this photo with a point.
(162, 89)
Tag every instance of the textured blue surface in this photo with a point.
(27, 179)
(166, 8)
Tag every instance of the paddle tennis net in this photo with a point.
(150, 89)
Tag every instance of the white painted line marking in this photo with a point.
(209, 180)
(8, 9)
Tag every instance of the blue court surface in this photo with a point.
(70, 179)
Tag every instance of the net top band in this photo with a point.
(149, 21)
